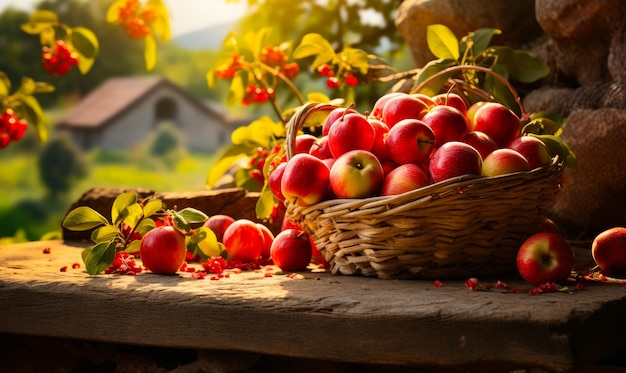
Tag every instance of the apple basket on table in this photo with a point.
(463, 226)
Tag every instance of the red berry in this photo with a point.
(332, 82)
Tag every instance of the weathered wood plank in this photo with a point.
(316, 315)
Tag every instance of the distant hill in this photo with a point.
(210, 37)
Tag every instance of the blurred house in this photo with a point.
(123, 112)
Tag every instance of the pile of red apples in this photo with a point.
(406, 142)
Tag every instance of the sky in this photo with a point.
(185, 15)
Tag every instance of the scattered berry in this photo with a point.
(46, 250)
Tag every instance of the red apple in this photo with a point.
(388, 166)
(218, 224)
(356, 174)
(498, 122)
(426, 99)
(403, 107)
(609, 250)
(471, 111)
(350, 132)
(545, 257)
(291, 250)
(304, 142)
(454, 159)
(451, 99)
(404, 178)
(549, 225)
(447, 122)
(268, 238)
(380, 149)
(333, 116)
(481, 142)
(410, 141)
(504, 161)
(377, 109)
(534, 150)
(320, 148)
(305, 180)
(274, 181)
(163, 250)
(243, 240)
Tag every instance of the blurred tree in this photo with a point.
(60, 165)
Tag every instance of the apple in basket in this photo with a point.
(454, 159)
(609, 250)
(447, 122)
(333, 116)
(350, 132)
(403, 106)
(534, 150)
(504, 161)
(377, 109)
(451, 99)
(356, 174)
(498, 122)
(410, 141)
(291, 250)
(404, 178)
(305, 180)
(481, 142)
(545, 257)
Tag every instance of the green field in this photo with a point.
(27, 213)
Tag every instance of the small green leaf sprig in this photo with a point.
(131, 219)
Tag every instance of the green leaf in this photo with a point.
(478, 41)
(133, 247)
(152, 207)
(5, 85)
(180, 223)
(498, 90)
(521, 65)
(104, 233)
(431, 69)
(256, 41)
(542, 126)
(113, 13)
(85, 42)
(314, 44)
(192, 215)
(132, 214)
(560, 148)
(145, 226)
(31, 110)
(83, 218)
(100, 257)
(40, 21)
(236, 91)
(207, 242)
(161, 24)
(356, 58)
(260, 132)
(150, 52)
(442, 42)
(265, 203)
(122, 202)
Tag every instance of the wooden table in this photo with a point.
(319, 316)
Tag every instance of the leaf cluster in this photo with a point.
(129, 215)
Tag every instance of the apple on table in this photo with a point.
(545, 257)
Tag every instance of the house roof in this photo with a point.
(114, 97)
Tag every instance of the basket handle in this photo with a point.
(499, 77)
(299, 118)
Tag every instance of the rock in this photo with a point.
(516, 19)
(580, 32)
(235, 202)
(592, 198)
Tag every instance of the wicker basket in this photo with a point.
(466, 226)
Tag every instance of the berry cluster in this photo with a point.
(256, 163)
(130, 234)
(332, 81)
(12, 127)
(59, 59)
(256, 94)
(135, 18)
(124, 264)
